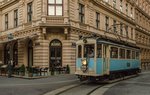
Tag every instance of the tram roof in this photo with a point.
(117, 43)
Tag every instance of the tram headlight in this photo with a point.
(84, 62)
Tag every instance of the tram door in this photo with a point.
(106, 58)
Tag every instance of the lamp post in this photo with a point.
(10, 63)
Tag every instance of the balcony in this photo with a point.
(55, 20)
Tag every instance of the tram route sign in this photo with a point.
(10, 36)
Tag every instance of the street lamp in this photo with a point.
(10, 63)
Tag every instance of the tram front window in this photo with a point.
(89, 51)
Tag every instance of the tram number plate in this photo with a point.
(128, 65)
(84, 68)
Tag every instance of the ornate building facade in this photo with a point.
(44, 32)
(142, 19)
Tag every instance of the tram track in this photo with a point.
(87, 87)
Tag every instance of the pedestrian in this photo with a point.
(9, 69)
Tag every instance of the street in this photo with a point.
(139, 85)
(135, 86)
(16, 86)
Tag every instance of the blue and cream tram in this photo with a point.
(100, 59)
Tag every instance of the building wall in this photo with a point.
(142, 16)
(67, 28)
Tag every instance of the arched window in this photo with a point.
(55, 53)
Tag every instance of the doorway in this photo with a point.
(55, 53)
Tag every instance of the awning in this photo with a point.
(18, 38)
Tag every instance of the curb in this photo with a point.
(103, 89)
(57, 91)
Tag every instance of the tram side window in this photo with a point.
(79, 51)
(137, 55)
(99, 51)
(128, 54)
(114, 52)
(122, 53)
(89, 51)
(133, 54)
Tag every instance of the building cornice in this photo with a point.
(114, 11)
(4, 3)
(142, 30)
(141, 11)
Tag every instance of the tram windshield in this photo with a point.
(89, 50)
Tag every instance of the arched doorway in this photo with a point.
(55, 53)
(6, 53)
(30, 53)
(15, 54)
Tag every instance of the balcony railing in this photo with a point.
(55, 20)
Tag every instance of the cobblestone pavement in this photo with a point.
(135, 86)
(17, 86)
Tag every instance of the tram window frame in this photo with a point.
(99, 50)
(128, 56)
(133, 54)
(122, 53)
(90, 53)
(137, 55)
(79, 51)
(113, 53)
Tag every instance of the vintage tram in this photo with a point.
(101, 59)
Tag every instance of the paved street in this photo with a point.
(135, 86)
(139, 85)
(16, 86)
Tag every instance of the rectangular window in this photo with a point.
(15, 18)
(114, 26)
(6, 21)
(99, 51)
(137, 55)
(114, 3)
(114, 52)
(106, 1)
(106, 23)
(131, 12)
(132, 33)
(97, 20)
(121, 29)
(127, 9)
(29, 12)
(81, 13)
(128, 56)
(126, 28)
(122, 53)
(133, 54)
(55, 7)
(121, 5)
